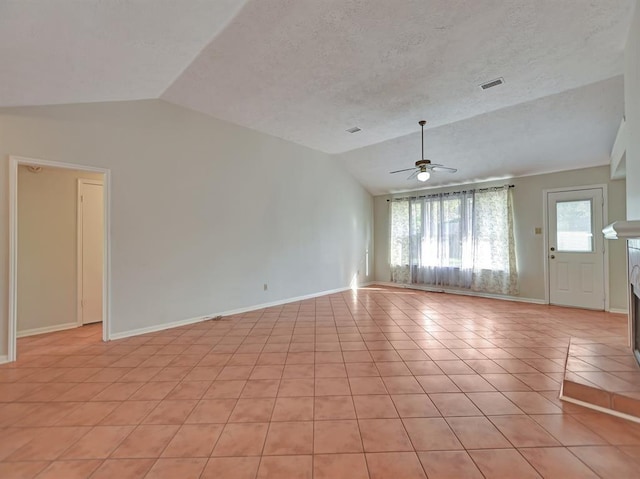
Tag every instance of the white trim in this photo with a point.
(622, 230)
(618, 153)
(46, 329)
(605, 220)
(462, 292)
(106, 291)
(631, 325)
(13, 258)
(184, 322)
(576, 188)
(618, 311)
(79, 244)
(605, 245)
(545, 245)
(14, 161)
(79, 293)
(601, 409)
(4, 359)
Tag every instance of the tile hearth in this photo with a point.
(603, 373)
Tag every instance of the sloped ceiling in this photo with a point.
(568, 130)
(76, 51)
(307, 70)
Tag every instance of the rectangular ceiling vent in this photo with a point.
(355, 129)
(492, 83)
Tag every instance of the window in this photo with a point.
(574, 226)
(462, 240)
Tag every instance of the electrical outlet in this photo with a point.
(265, 286)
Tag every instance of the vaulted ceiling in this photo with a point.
(307, 70)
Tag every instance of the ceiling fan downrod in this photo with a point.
(422, 123)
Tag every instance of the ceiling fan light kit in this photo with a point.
(423, 168)
(423, 176)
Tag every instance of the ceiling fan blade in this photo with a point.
(413, 175)
(400, 171)
(443, 168)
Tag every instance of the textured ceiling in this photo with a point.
(74, 51)
(306, 70)
(572, 129)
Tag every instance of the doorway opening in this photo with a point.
(59, 248)
(576, 258)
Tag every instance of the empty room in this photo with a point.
(263, 239)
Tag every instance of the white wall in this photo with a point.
(632, 113)
(528, 214)
(47, 247)
(203, 212)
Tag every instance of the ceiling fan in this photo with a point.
(422, 170)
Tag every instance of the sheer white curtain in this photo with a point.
(460, 240)
(446, 241)
(494, 251)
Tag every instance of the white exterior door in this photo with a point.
(576, 248)
(90, 250)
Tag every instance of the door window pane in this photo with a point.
(574, 226)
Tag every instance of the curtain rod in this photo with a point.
(434, 195)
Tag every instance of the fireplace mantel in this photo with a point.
(622, 230)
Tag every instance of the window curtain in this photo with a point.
(460, 240)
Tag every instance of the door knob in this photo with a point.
(553, 248)
(552, 256)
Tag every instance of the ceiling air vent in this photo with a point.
(492, 83)
(355, 129)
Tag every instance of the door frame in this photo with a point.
(79, 244)
(14, 162)
(545, 228)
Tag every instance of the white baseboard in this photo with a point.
(477, 294)
(184, 322)
(46, 329)
(462, 292)
(4, 359)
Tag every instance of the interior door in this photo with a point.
(576, 248)
(90, 250)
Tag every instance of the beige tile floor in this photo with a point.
(378, 383)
